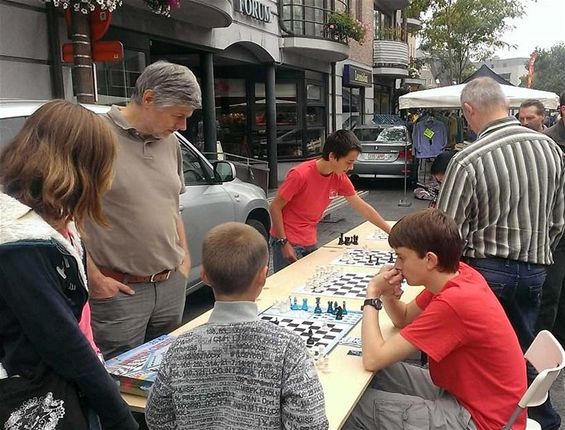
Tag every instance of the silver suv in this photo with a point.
(213, 193)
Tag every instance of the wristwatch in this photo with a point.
(281, 242)
(376, 303)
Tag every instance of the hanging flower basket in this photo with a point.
(160, 7)
(342, 26)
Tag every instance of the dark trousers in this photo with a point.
(518, 286)
(552, 310)
(279, 261)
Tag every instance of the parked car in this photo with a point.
(213, 193)
(387, 151)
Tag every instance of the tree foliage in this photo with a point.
(549, 71)
(458, 32)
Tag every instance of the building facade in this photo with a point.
(275, 80)
(511, 69)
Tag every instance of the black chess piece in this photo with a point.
(355, 240)
(340, 242)
(347, 241)
(370, 258)
(339, 313)
(310, 340)
(330, 308)
(276, 321)
(391, 258)
(377, 260)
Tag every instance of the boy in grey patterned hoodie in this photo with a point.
(236, 371)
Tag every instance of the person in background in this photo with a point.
(552, 309)
(439, 165)
(557, 130)
(52, 175)
(476, 373)
(532, 115)
(305, 194)
(510, 218)
(138, 267)
(236, 371)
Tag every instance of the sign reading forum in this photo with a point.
(255, 9)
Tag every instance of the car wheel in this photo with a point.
(258, 225)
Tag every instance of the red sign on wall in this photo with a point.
(99, 19)
(102, 51)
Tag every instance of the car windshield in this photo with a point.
(381, 134)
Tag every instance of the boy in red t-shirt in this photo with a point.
(477, 372)
(306, 193)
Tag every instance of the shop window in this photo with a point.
(352, 104)
(289, 130)
(115, 81)
(231, 116)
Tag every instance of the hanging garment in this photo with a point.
(429, 137)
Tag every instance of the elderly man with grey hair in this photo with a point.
(505, 191)
(137, 267)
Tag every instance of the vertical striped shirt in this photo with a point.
(506, 193)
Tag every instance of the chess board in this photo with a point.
(364, 258)
(378, 235)
(343, 285)
(325, 335)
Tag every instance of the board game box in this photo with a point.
(136, 370)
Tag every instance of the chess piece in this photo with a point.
(344, 308)
(335, 308)
(377, 258)
(289, 303)
(330, 310)
(310, 340)
(276, 321)
(347, 241)
(370, 258)
(339, 313)
(340, 241)
(355, 240)
(391, 258)
(304, 304)
(294, 305)
(317, 309)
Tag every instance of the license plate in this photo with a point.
(379, 157)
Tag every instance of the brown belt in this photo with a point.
(137, 279)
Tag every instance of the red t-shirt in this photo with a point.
(473, 350)
(307, 195)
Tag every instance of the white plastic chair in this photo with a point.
(548, 357)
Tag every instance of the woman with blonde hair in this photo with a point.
(52, 176)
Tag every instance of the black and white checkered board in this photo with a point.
(356, 257)
(300, 322)
(343, 285)
(378, 235)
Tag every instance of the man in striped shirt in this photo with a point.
(505, 191)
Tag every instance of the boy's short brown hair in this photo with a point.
(232, 254)
(341, 143)
(430, 230)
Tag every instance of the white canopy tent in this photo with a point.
(448, 97)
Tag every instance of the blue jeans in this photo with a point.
(279, 262)
(518, 286)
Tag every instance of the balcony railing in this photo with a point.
(308, 18)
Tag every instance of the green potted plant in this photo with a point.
(342, 26)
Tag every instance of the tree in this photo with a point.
(549, 71)
(458, 32)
